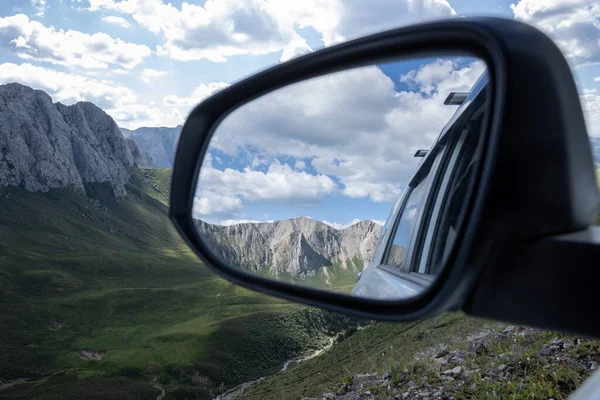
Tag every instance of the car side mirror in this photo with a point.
(506, 175)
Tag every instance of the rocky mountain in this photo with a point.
(143, 159)
(298, 247)
(395, 255)
(159, 142)
(45, 145)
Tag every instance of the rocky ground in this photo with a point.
(497, 362)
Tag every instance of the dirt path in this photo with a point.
(306, 358)
(9, 384)
(238, 390)
(233, 393)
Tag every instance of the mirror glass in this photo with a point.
(351, 182)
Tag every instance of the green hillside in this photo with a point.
(90, 273)
(87, 275)
(385, 347)
(333, 278)
(449, 357)
(374, 349)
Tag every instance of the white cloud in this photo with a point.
(377, 192)
(573, 24)
(294, 49)
(224, 28)
(149, 75)
(342, 20)
(39, 6)
(229, 222)
(119, 21)
(300, 165)
(134, 115)
(67, 88)
(354, 129)
(352, 125)
(354, 221)
(215, 31)
(428, 78)
(118, 101)
(180, 106)
(590, 101)
(279, 184)
(31, 40)
(199, 93)
(220, 193)
(335, 224)
(214, 204)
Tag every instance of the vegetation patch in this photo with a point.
(100, 291)
(368, 350)
(495, 362)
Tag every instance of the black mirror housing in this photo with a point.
(534, 178)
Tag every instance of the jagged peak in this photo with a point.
(13, 85)
(153, 127)
(298, 246)
(300, 221)
(16, 88)
(52, 145)
(361, 223)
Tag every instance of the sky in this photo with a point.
(341, 145)
(321, 151)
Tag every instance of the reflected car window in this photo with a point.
(397, 253)
(437, 201)
(453, 201)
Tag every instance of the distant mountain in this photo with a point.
(297, 247)
(45, 145)
(159, 142)
(143, 159)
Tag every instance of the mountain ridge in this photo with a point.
(160, 142)
(297, 247)
(142, 158)
(46, 145)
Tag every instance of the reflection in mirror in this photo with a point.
(296, 184)
(406, 223)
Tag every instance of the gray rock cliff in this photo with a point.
(143, 159)
(297, 246)
(45, 145)
(159, 142)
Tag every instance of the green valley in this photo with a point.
(99, 296)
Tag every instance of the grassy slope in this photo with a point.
(332, 278)
(119, 279)
(374, 349)
(79, 273)
(382, 347)
(407, 351)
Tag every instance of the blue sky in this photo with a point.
(147, 62)
(335, 148)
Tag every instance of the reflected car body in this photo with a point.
(394, 272)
